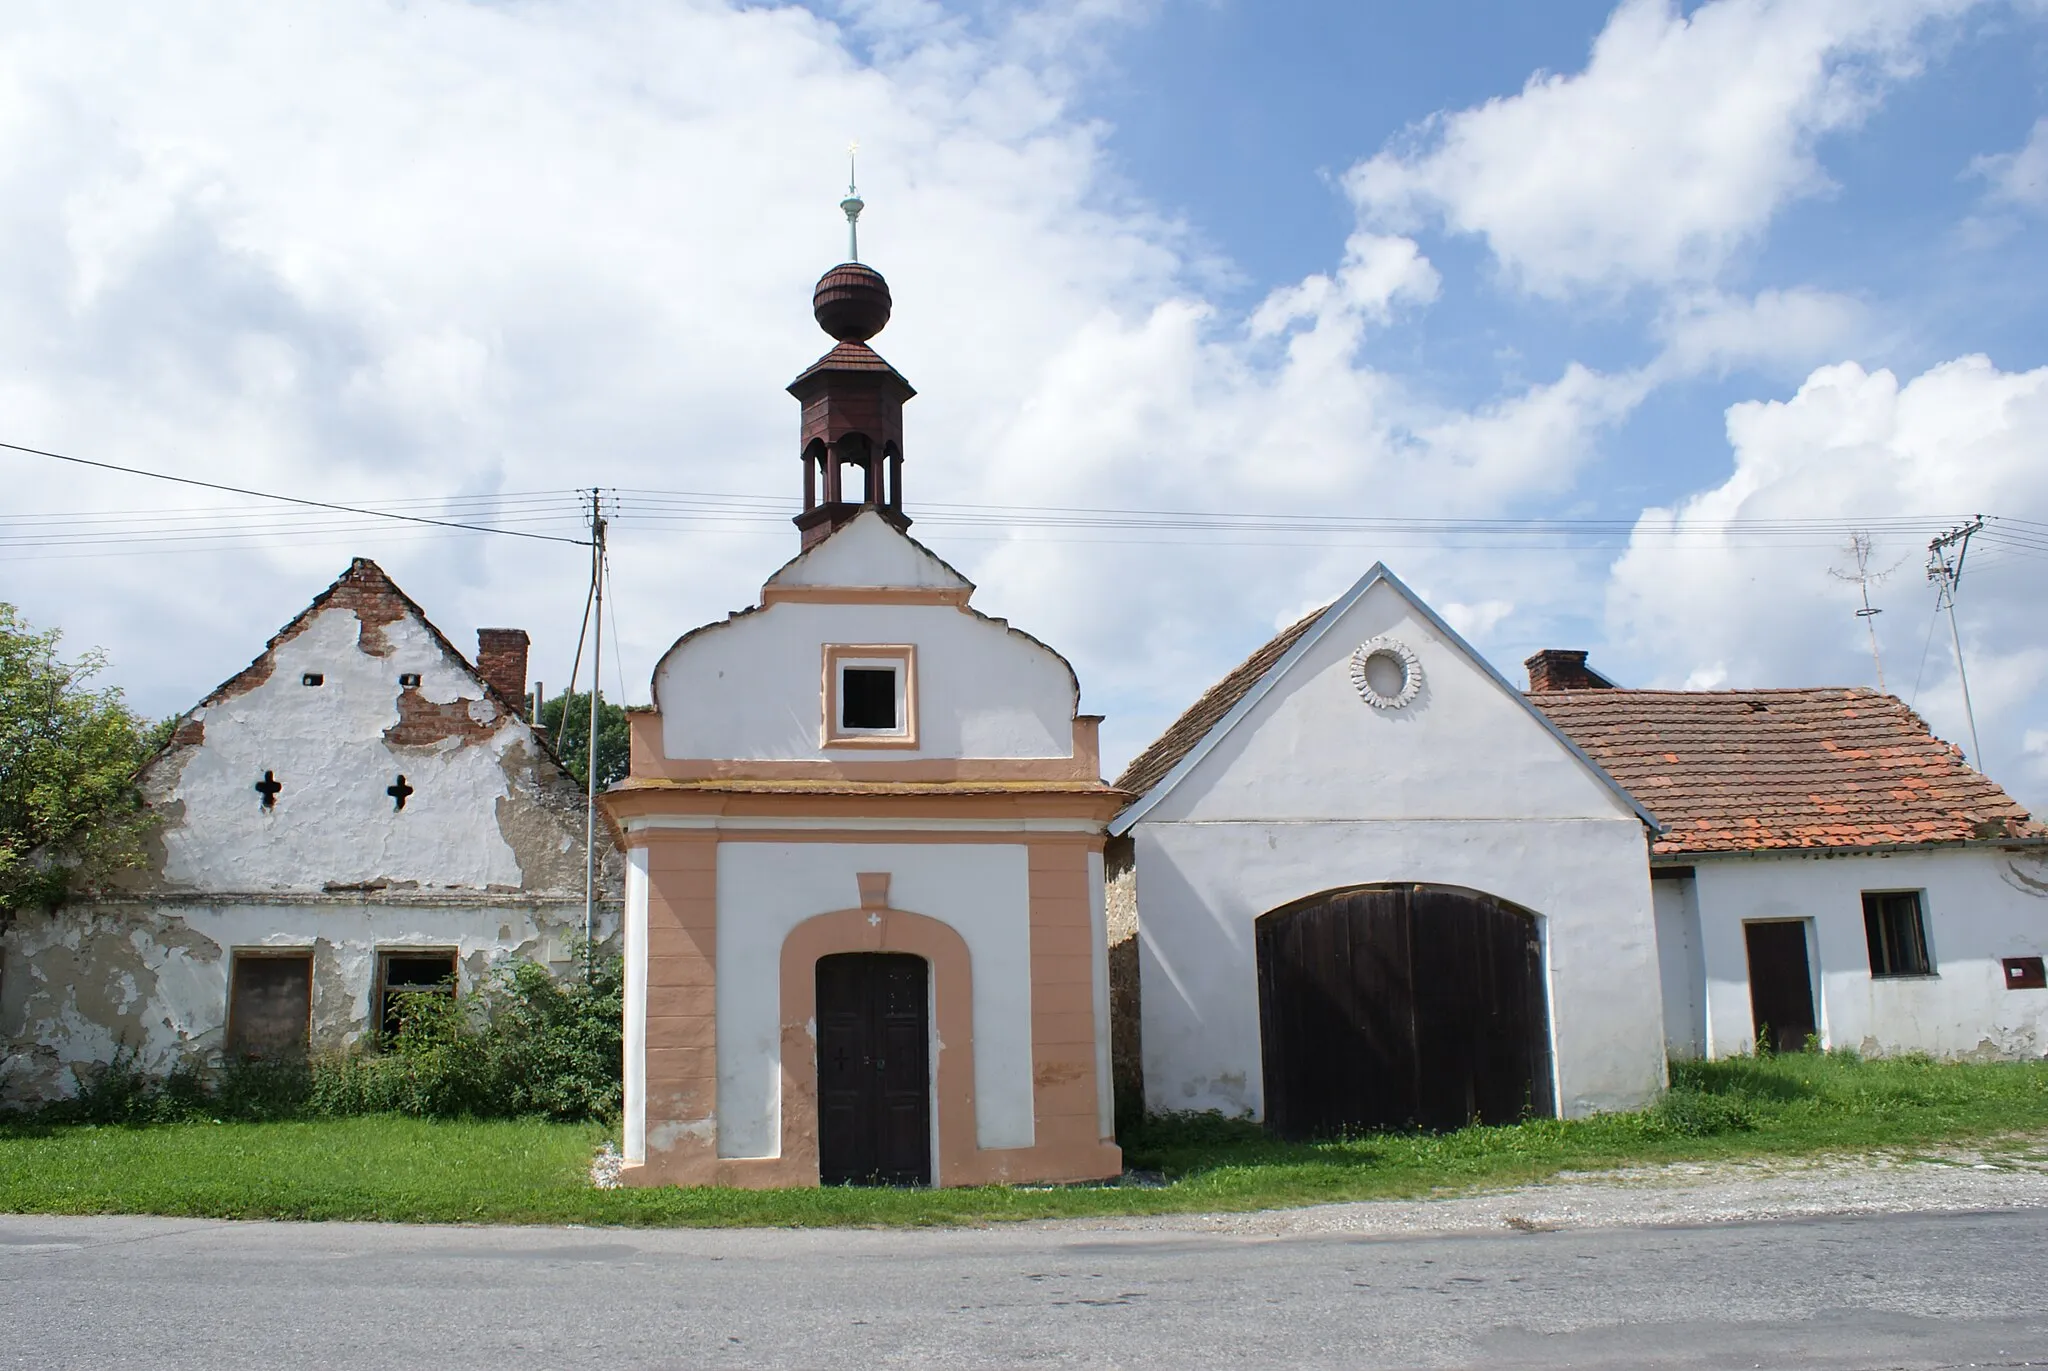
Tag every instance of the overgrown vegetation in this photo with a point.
(69, 814)
(524, 1045)
(530, 1171)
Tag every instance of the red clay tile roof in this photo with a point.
(1149, 767)
(1741, 770)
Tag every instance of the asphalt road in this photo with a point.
(1878, 1291)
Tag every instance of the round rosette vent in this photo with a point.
(1386, 673)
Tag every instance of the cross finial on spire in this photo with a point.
(853, 205)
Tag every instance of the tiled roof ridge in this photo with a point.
(1165, 752)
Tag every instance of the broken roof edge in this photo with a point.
(296, 624)
(1189, 760)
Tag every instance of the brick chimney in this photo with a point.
(501, 660)
(1556, 668)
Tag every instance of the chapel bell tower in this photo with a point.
(852, 399)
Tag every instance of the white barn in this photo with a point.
(1374, 886)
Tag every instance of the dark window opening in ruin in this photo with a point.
(867, 698)
(269, 788)
(408, 678)
(312, 678)
(408, 983)
(270, 1005)
(398, 790)
(1895, 925)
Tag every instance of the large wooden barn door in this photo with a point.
(1402, 1007)
(874, 1069)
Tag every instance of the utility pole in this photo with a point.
(597, 570)
(1946, 576)
(1859, 548)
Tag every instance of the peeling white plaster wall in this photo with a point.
(153, 980)
(333, 823)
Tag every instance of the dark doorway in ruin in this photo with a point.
(270, 1005)
(1402, 1006)
(874, 1069)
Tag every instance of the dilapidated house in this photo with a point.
(360, 812)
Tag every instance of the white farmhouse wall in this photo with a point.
(333, 823)
(982, 891)
(1681, 971)
(1315, 790)
(750, 690)
(1981, 905)
(153, 979)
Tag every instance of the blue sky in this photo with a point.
(1670, 266)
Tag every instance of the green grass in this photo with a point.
(390, 1168)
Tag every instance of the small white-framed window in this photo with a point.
(870, 695)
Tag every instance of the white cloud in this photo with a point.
(1779, 330)
(1671, 151)
(399, 252)
(2019, 177)
(1853, 445)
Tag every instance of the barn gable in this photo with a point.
(1300, 741)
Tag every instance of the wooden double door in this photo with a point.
(874, 1069)
(1409, 1006)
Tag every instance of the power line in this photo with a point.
(290, 499)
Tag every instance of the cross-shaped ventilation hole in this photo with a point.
(398, 790)
(268, 788)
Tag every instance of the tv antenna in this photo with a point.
(1864, 578)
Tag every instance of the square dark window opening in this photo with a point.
(408, 678)
(270, 1005)
(312, 678)
(404, 977)
(1895, 925)
(867, 698)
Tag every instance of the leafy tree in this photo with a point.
(69, 812)
(567, 720)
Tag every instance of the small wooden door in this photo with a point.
(1401, 1007)
(874, 1069)
(1780, 985)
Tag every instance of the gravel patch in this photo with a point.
(2012, 1174)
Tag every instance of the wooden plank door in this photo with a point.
(874, 1069)
(1399, 1007)
(1780, 985)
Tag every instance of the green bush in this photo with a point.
(523, 1045)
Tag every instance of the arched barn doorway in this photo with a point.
(1402, 1006)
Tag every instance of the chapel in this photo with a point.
(864, 928)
